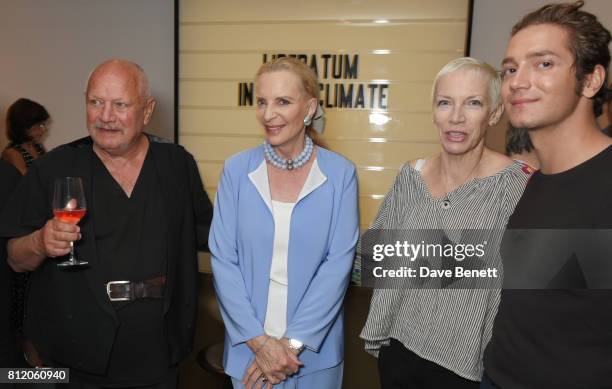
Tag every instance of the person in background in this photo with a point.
(519, 146)
(554, 71)
(129, 317)
(26, 126)
(607, 108)
(434, 337)
(282, 242)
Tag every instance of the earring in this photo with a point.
(307, 121)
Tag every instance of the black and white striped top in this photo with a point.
(450, 327)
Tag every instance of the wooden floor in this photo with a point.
(359, 368)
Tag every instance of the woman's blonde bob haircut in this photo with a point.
(468, 63)
(310, 82)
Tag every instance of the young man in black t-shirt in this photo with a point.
(555, 67)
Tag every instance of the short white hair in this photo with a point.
(141, 77)
(470, 63)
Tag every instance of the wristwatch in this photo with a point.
(296, 345)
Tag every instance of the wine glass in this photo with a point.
(69, 206)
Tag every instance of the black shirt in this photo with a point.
(69, 317)
(557, 338)
(130, 240)
(9, 177)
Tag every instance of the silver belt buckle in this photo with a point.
(108, 291)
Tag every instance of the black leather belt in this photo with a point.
(134, 290)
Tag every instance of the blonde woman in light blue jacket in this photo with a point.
(282, 241)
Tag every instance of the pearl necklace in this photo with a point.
(289, 164)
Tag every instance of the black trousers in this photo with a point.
(400, 368)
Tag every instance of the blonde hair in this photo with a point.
(308, 78)
(473, 64)
(310, 82)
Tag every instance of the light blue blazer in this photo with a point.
(323, 235)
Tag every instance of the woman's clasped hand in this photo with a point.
(274, 362)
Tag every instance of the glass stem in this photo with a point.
(72, 259)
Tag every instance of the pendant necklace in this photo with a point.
(446, 202)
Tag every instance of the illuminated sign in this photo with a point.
(333, 70)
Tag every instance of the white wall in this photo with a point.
(48, 48)
(493, 20)
(491, 24)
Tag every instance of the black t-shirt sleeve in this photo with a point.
(606, 211)
(9, 177)
(202, 206)
(28, 208)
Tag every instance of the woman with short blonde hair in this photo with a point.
(434, 338)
